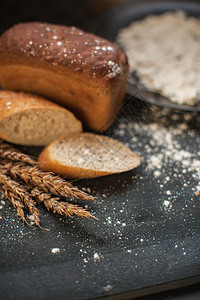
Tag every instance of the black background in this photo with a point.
(69, 12)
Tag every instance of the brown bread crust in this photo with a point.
(88, 73)
(56, 47)
(12, 102)
(69, 166)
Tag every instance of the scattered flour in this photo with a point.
(168, 144)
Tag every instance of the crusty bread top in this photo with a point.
(55, 46)
(87, 155)
(13, 102)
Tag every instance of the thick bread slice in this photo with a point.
(87, 155)
(80, 71)
(27, 119)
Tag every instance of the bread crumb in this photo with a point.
(168, 192)
(55, 250)
(107, 288)
(96, 256)
(31, 218)
(166, 203)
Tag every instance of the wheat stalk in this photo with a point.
(9, 152)
(21, 192)
(47, 181)
(40, 185)
(16, 202)
(60, 207)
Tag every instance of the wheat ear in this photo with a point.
(47, 181)
(21, 192)
(9, 152)
(16, 202)
(60, 207)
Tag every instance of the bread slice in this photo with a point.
(27, 119)
(87, 155)
(81, 71)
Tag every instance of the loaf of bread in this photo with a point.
(87, 155)
(27, 119)
(80, 71)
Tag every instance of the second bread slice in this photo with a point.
(87, 155)
(28, 119)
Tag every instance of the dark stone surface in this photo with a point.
(141, 244)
